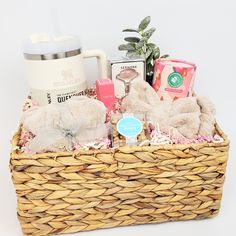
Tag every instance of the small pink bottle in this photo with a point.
(105, 92)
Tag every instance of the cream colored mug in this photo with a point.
(55, 67)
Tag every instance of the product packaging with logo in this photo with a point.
(105, 92)
(124, 71)
(173, 78)
(128, 129)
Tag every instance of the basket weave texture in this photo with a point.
(85, 190)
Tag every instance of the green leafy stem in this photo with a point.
(140, 46)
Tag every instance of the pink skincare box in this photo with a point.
(105, 92)
(173, 78)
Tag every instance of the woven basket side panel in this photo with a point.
(84, 192)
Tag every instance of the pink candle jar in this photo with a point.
(173, 78)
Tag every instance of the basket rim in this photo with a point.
(15, 154)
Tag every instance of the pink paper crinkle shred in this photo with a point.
(198, 139)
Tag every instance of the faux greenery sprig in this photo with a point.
(140, 45)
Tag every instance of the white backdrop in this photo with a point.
(202, 31)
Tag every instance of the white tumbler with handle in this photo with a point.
(55, 67)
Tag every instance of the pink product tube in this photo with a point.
(105, 92)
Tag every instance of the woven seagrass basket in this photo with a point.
(86, 190)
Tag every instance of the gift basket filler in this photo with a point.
(138, 147)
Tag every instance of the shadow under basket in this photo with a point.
(76, 191)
